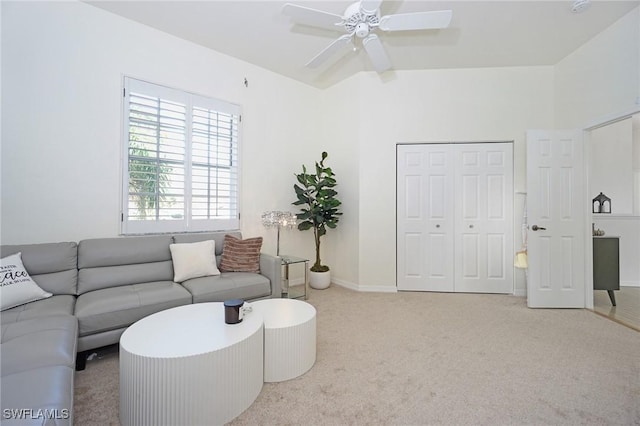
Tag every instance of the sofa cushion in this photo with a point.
(39, 342)
(16, 286)
(192, 260)
(110, 262)
(91, 279)
(123, 251)
(45, 388)
(241, 255)
(54, 266)
(117, 307)
(228, 285)
(55, 305)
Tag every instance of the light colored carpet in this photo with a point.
(435, 358)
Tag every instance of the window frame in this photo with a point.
(188, 223)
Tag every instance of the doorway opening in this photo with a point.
(614, 169)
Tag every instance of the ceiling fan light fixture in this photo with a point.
(580, 6)
(362, 19)
(369, 7)
(356, 21)
(362, 29)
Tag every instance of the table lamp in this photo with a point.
(278, 219)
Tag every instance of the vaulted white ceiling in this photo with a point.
(481, 34)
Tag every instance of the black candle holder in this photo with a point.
(601, 204)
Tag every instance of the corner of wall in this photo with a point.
(340, 138)
(600, 78)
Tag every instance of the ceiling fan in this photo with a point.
(362, 20)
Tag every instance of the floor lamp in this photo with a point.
(278, 219)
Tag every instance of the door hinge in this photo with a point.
(121, 217)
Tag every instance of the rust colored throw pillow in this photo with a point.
(241, 255)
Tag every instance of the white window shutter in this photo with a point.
(181, 171)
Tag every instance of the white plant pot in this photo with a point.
(319, 280)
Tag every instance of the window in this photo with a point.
(181, 163)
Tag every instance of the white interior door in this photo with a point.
(556, 211)
(424, 217)
(484, 217)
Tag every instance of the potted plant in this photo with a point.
(319, 211)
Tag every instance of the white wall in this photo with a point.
(340, 135)
(430, 106)
(611, 170)
(62, 68)
(635, 154)
(600, 78)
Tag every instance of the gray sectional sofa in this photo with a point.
(99, 287)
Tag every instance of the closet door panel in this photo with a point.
(424, 218)
(469, 252)
(483, 177)
(496, 257)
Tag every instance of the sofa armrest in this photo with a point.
(271, 267)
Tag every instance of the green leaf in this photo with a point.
(303, 226)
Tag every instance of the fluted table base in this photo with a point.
(208, 387)
(289, 337)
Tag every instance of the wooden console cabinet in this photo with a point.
(606, 265)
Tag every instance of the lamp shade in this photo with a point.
(279, 219)
(276, 218)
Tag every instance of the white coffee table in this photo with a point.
(289, 337)
(186, 366)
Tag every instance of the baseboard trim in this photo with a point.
(345, 284)
(629, 283)
(368, 288)
(350, 285)
(519, 292)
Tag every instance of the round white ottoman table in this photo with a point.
(289, 337)
(185, 365)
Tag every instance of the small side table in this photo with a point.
(185, 365)
(289, 337)
(292, 260)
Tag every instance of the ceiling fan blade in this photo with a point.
(313, 17)
(337, 45)
(377, 54)
(370, 7)
(416, 21)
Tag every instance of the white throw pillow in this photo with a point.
(18, 287)
(193, 260)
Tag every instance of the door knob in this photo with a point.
(536, 227)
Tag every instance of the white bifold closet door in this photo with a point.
(455, 217)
